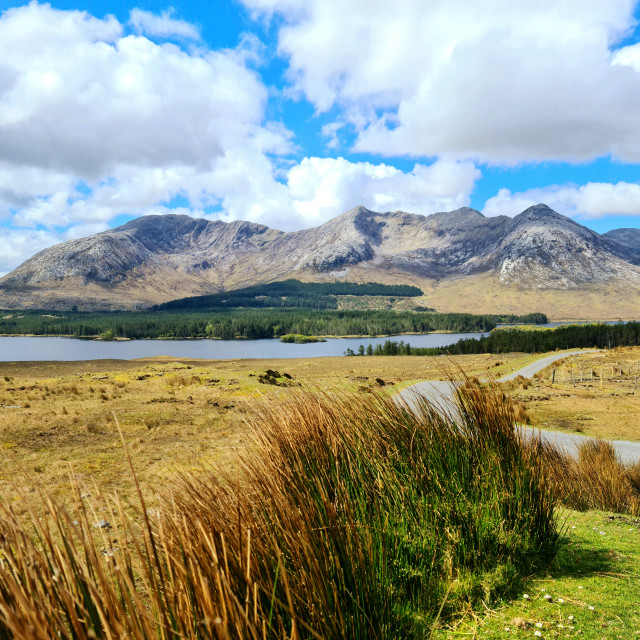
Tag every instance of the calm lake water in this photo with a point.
(25, 349)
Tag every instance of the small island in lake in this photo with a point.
(300, 339)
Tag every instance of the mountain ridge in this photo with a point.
(154, 259)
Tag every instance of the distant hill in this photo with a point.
(537, 261)
(629, 238)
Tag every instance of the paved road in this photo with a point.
(531, 369)
(442, 394)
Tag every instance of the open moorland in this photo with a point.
(321, 500)
(594, 394)
(55, 416)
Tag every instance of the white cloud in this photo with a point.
(95, 123)
(502, 82)
(590, 201)
(78, 95)
(322, 187)
(628, 56)
(16, 245)
(163, 25)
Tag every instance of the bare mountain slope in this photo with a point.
(158, 258)
(544, 250)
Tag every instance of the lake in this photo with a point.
(45, 348)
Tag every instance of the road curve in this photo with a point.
(442, 394)
(531, 369)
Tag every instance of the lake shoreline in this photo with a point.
(54, 348)
(238, 339)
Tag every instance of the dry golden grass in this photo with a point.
(483, 293)
(59, 416)
(577, 402)
(595, 479)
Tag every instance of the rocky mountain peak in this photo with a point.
(467, 212)
(158, 258)
(541, 213)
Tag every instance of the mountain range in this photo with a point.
(538, 260)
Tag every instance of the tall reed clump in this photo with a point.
(594, 479)
(354, 517)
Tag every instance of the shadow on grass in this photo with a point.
(577, 558)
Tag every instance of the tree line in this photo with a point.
(290, 293)
(599, 336)
(232, 324)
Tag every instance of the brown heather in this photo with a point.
(596, 479)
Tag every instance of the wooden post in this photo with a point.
(601, 376)
(553, 376)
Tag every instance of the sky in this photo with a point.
(290, 112)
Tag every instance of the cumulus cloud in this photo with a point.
(320, 187)
(80, 96)
(628, 56)
(163, 25)
(590, 201)
(502, 82)
(243, 185)
(98, 120)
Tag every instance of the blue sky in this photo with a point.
(289, 112)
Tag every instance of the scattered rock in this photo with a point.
(275, 378)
